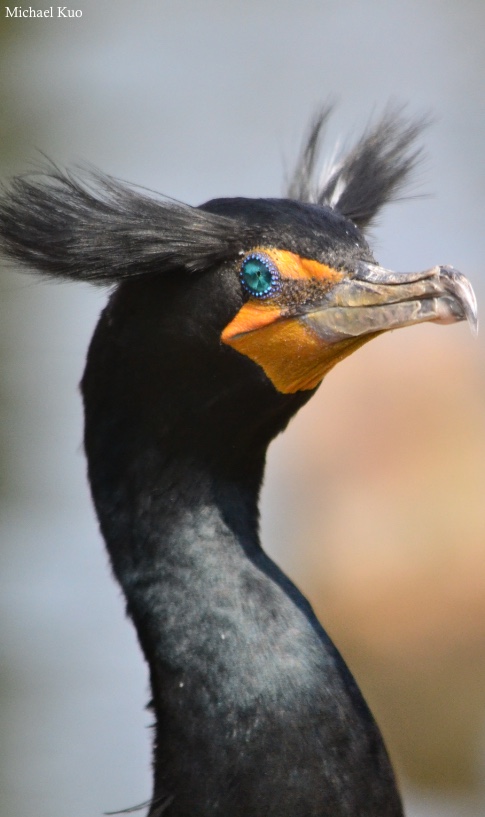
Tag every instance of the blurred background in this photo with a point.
(374, 496)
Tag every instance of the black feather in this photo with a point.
(372, 174)
(303, 186)
(103, 231)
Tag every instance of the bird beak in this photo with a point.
(375, 300)
(297, 350)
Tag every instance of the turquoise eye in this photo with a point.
(259, 276)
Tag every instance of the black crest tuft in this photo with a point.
(101, 230)
(373, 173)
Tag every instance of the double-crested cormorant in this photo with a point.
(223, 321)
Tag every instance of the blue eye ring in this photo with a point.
(259, 276)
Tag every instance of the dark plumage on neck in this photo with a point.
(255, 711)
(194, 413)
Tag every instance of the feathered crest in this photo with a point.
(102, 230)
(372, 174)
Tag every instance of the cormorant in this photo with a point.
(222, 322)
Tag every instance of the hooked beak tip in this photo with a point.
(460, 287)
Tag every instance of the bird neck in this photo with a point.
(246, 685)
(176, 445)
(170, 520)
(181, 528)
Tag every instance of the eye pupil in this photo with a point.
(259, 276)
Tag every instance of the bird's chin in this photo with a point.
(297, 351)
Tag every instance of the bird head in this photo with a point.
(238, 302)
(314, 294)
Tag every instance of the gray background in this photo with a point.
(196, 100)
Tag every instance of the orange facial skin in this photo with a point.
(291, 355)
